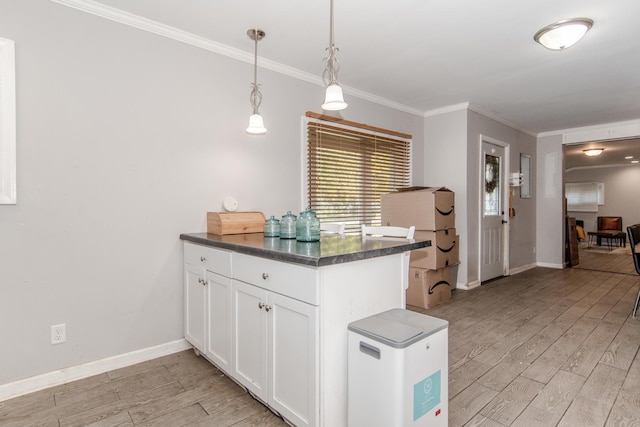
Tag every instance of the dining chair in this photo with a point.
(388, 231)
(634, 237)
(332, 227)
(394, 232)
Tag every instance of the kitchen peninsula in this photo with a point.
(273, 313)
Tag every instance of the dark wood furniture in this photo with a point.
(618, 236)
(610, 228)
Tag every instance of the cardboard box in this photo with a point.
(428, 288)
(428, 208)
(444, 250)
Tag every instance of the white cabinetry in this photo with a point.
(207, 311)
(276, 336)
(280, 328)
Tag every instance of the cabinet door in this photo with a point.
(218, 325)
(293, 359)
(250, 332)
(194, 306)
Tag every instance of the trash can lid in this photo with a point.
(398, 328)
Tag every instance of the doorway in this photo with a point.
(493, 221)
(609, 180)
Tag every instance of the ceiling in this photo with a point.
(428, 55)
(613, 155)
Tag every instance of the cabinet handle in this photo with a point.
(260, 305)
(203, 259)
(202, 281)
(265, 276)
(268, 308)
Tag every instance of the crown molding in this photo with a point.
(615, 165)
(469, 106)
(445, 110)
(601, 132)
(144, 24)
(503, 121)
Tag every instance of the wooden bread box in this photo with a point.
(222, 223)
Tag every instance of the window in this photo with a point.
(584, 196)
(492, 184)
(349, 168)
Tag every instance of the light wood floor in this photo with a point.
(541, 348)
(606, 262)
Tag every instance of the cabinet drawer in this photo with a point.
(292, 280)
(216, 260)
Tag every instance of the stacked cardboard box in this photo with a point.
(432, 270)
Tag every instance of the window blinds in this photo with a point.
(348, 170)
(582, 196)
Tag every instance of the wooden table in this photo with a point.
(619, 236)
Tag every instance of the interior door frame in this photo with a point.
(505, 201)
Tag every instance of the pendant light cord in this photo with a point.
(332, 65)
(255, 97)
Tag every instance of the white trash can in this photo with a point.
(398, 370)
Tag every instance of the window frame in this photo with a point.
(350, 126)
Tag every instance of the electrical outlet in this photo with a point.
(58, 333)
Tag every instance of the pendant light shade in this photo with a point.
(334, 99)
(563, 34)
(256, 124)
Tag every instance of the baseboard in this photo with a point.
(62, 376)
(468, 286)
(522, 268)
(550, 265)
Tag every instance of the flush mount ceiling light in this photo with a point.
(593, 151)
(334, 99)
(256, 124)
(563, 34)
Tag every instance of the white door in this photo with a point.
(493, 212)
(250, 331)
(194, 306)
(218, 325)
(293, 359)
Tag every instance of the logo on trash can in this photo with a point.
(426, 395)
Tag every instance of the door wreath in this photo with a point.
(491, 173)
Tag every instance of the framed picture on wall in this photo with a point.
(7, 123)
(525, 172)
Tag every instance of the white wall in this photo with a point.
(445, 166)
(125, 140)
(550, 205)
(620, 190)
(452, 159)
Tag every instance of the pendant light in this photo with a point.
(256, 124)
(563, 34)
(334, 100)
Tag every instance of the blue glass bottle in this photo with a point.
(308, 227)
(272, 227)
(288, 226)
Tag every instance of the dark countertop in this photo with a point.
(331, 249)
